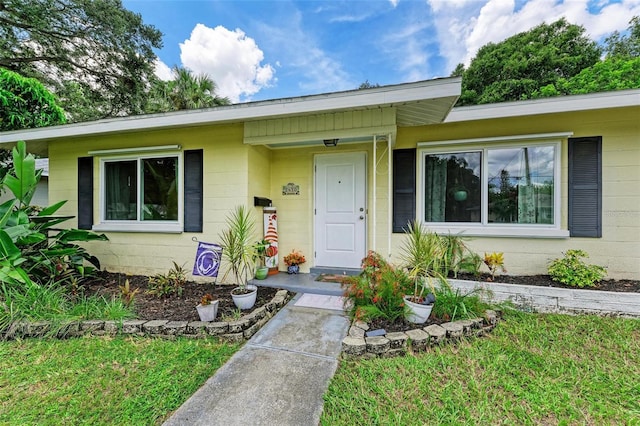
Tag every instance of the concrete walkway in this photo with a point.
(279, 376)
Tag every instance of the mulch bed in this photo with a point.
(546, 281)
(174, 307)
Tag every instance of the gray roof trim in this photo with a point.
(592, 101)
(399, 94)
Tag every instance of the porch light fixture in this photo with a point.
(330, 142)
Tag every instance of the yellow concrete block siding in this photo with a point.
(619, 247)
(226, 184)
(236, 172)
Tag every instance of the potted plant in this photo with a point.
(423, 255)
(208, 308)
(262, 270)
(293, 261)
(239, 252)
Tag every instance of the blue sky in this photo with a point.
(259, 50)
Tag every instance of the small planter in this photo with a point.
(418, 312)
(245, 300)
(262, 272)
(293, 269)
(208, 312)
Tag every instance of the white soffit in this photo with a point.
(559, 104)
(433, 98)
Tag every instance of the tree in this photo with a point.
(611, 74)
(518, 66)
(185, 91)
(89, 49)
(624, 46)
(367, 85)
(26, 103)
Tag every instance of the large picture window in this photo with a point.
(510, 185)
(141, 189)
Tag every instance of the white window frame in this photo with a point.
(156, 226)
(484, 228)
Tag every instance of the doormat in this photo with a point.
(332, 278)
(308, 300)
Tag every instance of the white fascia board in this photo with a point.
(338, 101)
(592, 101)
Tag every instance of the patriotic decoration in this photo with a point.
(208, 258)
(271, 235)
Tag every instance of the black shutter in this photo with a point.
(404, 188)
(85, 192)
(585, 187)
(193, 194)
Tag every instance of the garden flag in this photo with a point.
(208, 258)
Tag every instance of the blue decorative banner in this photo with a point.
(208, 259)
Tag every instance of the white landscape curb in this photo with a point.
(557, 300)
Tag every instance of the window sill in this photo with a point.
(155, 227)
(501, 232)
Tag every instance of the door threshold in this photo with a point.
(334, 270)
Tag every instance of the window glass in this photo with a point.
(453, 187)
(159, 189)
(121, 190)
(157, 197)
(521, 185)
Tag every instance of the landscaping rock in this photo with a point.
(361, 324)
(195, 328)
(132, 326)
(467, 326)
(453, 329)
(238, 326)
(354, 346)
(490, 317)
(436, 333)
(356, 332)
(91, 325)
(377, 344)
(419, 339)
(154, 327)
(217, 328)
(111, 327)
(36, 329)
(232, 337)
(397, 340)
(176, 328)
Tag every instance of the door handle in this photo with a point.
(361, 217)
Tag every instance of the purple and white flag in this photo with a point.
(208, 257)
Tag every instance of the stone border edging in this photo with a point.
(357, 346)
(229, 331)
(556, 299)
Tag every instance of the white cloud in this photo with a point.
(230, 58)
(394, 3)
(467, 25)
(406, 47)
(162, 70)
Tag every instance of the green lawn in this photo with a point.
(102, 381)
(533, 369)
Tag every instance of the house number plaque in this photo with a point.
(291, 189)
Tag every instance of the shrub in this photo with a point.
(494, 261)
(571, 270)
(163, 285)
(378, 291)
(453, 304)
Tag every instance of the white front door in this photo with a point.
(340, 209)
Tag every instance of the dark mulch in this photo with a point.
(175, 308)
(537, 280)
(546, 281)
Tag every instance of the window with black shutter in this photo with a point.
(585, 187)
(404, 188)
(193, 192)
(85, 192)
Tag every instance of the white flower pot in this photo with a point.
(418, 313)
(245, 301)
(208, 312)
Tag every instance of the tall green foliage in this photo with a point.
(25, 103)
(184, 91)
(516, 67)
(82, 49)
(30, 249)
